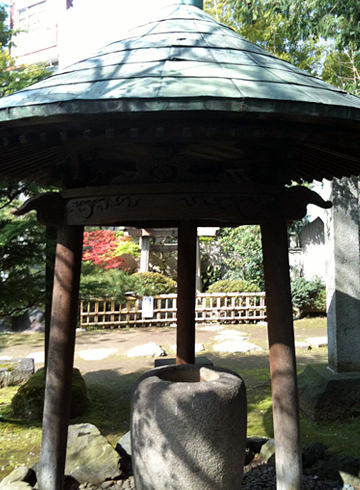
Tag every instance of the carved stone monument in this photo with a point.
(333, 391)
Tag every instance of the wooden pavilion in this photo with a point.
(182, 123)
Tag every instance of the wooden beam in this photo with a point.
(60, 357)
(282, 356)
(185, 333)
(231, 204)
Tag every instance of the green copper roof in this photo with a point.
(184, 60)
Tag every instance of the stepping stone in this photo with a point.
(212, 328)
(231, 335)
(236, 346)
(96, 354)
(301, 345)
(198, 347)
(5, 358)
(149, 349)
(317, 342)
(39, 357)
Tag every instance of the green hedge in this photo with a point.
(305, 293)
(153, 283)
(236, 286)
(114, 283)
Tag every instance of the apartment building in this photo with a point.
(38, 26)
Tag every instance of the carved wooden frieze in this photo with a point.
(83, 210)
(109, 206)
(167, 207)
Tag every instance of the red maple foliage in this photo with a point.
(99, 248)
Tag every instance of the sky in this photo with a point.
(91, 24)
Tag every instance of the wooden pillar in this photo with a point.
(60, 357)
(187, 236)
(198, 267)
(49, 282)
(282, 356)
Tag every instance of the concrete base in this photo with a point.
(325, 395)
(170, 361)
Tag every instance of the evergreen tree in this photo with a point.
(320, 37)
(22, 240)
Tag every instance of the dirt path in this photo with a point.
(119, 342)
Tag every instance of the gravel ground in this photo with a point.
(263, 477)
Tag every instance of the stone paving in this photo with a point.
(130, 343)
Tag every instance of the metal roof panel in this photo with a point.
(183, 54)
(175, 87)
(104, 73)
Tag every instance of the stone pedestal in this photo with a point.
(333, 392)
(188, 429)
(325, 395)
(343, 275)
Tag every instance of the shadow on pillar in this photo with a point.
(332, 391)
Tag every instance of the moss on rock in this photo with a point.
(28, 403)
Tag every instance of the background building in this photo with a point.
(38, 26)
(60, 32)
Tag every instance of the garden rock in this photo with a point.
(253, 447)
(255, 443)
(30, 321)
(28, 403)
(19, 485)
(90, 457)
(344, 469)
(123, 447)
(70, 483)
(15, 372)
(267, 450)
(313, 452)
(22, 474)
(125, 443)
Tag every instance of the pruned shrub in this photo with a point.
(153, 283)
(237, 286)
(308, 294)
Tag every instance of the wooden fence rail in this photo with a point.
(214, 307)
